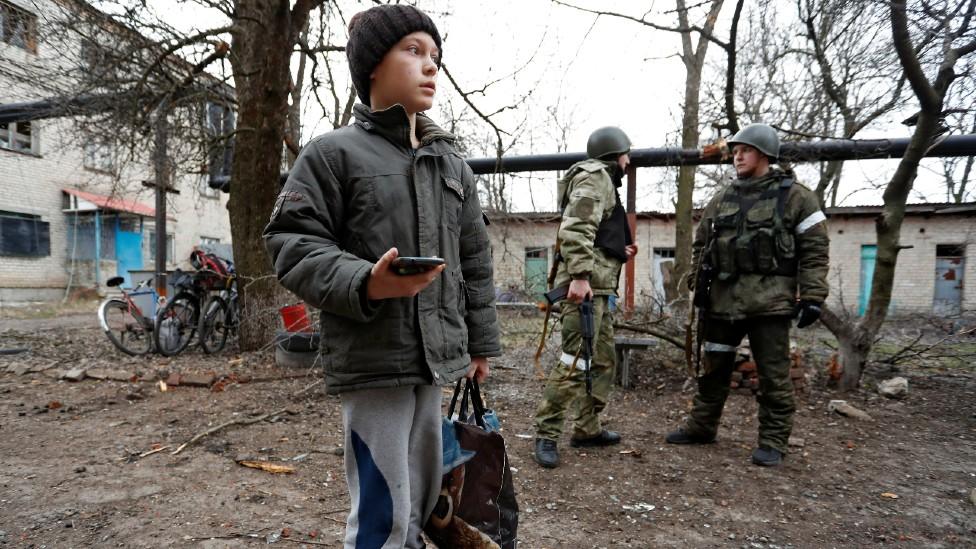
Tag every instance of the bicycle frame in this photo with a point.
(133, 309)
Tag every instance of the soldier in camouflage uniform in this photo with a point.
(765, 237)
(594, 241)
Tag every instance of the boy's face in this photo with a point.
(407, 75)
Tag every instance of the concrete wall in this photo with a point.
(914, 276)
(33, 183)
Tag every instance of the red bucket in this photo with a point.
(295, 318)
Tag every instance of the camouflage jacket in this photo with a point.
(764, 261)
(587, 197)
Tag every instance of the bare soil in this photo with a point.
(71, 474)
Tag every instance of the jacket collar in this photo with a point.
(393, 124)
(754, 183)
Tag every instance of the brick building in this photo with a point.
(66, 198)
(931, 276)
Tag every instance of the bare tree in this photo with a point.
(822, 70)
(853, 66)
(961, 117)
(930, 39)
(693, 57)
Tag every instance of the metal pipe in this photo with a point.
(805, 151)
(630, 269)
(793, 152)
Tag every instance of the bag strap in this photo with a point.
(476, 402)
(454, 398)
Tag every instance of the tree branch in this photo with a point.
(681, 30)
(927, 95)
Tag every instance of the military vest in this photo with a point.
(749, 236)
(613, 233)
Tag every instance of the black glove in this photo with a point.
(807, 312)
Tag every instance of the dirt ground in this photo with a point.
(75, 470)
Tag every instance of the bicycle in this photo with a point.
(220, 318)
(176, 323)
(123, 320)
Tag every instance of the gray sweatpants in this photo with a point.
(393, 464)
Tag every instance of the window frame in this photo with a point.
(40, 237)
(14, 134)
(11, 13)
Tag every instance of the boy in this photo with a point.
(391, 184)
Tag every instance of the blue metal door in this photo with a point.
(869, 253)
(948, 285)
(128, 252)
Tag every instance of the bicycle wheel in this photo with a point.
(214, 327)
(176, 324)
(123, 329)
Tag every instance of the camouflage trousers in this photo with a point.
(566, 385)
(769, 340)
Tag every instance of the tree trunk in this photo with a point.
(694, 61)
(853, 350)
(261, 52)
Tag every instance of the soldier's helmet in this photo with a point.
(760, 136)
(606, 141)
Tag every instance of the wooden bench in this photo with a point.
(623, 346)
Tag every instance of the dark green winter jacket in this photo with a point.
(353, 194)
(764, 262)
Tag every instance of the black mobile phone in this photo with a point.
(415, 265)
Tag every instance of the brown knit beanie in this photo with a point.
(373, 32)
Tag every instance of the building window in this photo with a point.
(99, 156)
(206, 189)
(19, 136)
(24, 235)
(209, 241)
(219, 124)
(18, 27)
(170, 246)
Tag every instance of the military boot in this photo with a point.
(604, 438)
(546, 454)
(767, 457)
(684, 437)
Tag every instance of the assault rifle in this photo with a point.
(586, 332)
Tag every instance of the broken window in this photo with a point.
(18, 27)
(18, 136)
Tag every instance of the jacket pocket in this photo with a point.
(452, 193)
(764, 248)
(785, 244)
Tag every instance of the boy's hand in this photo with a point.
(383, 283)
(478, 369)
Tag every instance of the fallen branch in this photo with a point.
(232, 535)
(307, 389)
(230, 423)
(307, 542)
(894, 359)
(672, 339)
(151, 452)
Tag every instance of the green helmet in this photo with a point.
(606, 141)
(760, 136)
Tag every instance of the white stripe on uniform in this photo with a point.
(810, 221)
(711, 347)
(568, 359)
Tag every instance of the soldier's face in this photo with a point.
(407, 74)
(623, 161)
(748, 161)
